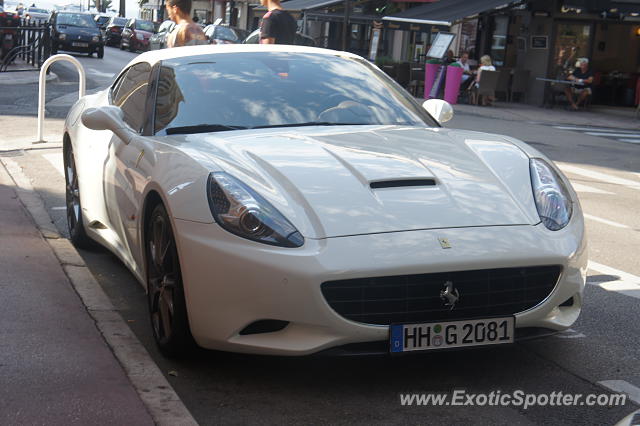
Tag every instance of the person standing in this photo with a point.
(186, 32)
(278, 26)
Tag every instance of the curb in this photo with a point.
(24, 77)
(157, 395)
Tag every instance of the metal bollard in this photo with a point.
(42, 87)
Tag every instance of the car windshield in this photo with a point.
(76, 20)
(224, 33)
(34, 10)
(229, 91)
(119, 21)
(145, 26)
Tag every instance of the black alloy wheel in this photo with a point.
(165, 292)
(77, 233)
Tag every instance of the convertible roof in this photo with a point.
(155, 56)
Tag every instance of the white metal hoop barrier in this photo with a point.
(42, 87)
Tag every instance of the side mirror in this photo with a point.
(108, 118)
(439, 109)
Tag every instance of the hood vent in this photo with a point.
(399, 183)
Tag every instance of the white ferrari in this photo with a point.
(291, 200)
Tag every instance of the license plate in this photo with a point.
(451, 334)
(78, 44)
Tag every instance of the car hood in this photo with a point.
(78, 31)
(350, 180)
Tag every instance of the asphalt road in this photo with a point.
(600, 350)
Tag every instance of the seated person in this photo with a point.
(449, 59)
(466, 71)
(583, 76)
(485, 65)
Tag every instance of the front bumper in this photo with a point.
(231, 282)
(68, 45)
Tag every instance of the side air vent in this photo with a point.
(402, 183)
(264, 326)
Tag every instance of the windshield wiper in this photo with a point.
(310, 123)
(201, 128)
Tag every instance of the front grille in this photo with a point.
(416, 298)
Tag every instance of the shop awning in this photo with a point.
(302, 5)
(446, 12)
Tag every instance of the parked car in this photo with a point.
(76, 32)
(222, 34)
(102, 21)
(35, 14)
(135, 34)
(8, 33)
(288, 200)
(300, 39)
(159, 39)
(113, 30)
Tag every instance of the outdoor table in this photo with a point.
(548, 100)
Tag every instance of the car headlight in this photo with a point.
(552, 197)
(140, 36)
(242, 211)
(95, 39)
(62, 36)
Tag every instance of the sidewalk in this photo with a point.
(596, 116)
(66, 354)
(55, 365)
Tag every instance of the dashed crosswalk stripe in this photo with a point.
(622, 386)
(594, 129)
(568, 168)
(627, 136)
(579, 187)
(56, 161)
(620, 281)
(605, 221)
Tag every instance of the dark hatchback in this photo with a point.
(113, 30)
(75, 32)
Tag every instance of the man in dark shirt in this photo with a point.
(583, 76)
(278, 26)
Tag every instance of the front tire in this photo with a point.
(165, 291)
(77, 233)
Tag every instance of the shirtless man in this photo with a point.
(186, 32)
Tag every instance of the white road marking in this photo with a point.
(605, 221)
(56, 161)
(626, 283)
(59, 208)
(579, 187)
(568, 168)
(100, 73)
(621, 386)
(629, 140)
(595, 129)
(570, 334)
(615, 135)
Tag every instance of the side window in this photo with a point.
(130, 94)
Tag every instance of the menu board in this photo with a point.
(440, 45)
